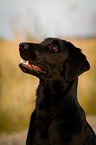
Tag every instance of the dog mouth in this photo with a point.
(28, 67)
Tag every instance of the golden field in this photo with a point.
(17, 90)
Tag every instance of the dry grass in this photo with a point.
(87, 87)
(17, 90)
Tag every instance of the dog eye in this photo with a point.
(54, 48)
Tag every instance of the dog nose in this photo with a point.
(23, 46)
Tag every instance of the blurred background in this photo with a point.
(34, 20)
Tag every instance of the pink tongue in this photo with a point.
(33, 66)
(29, 65)
(37, 67)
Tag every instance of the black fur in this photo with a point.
(58, 119)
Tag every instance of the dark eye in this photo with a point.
(54, 48)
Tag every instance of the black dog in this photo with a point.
(58, 119)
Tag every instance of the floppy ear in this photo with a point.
(77, 63)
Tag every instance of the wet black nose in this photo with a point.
(23, 46)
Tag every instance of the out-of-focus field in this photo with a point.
(17, 90)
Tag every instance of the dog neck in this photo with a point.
(59, 92)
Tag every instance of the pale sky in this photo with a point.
(48, 18)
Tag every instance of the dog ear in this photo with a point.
(76, 64)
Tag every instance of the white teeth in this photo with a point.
(26, 62)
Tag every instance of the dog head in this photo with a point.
(53, 58)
